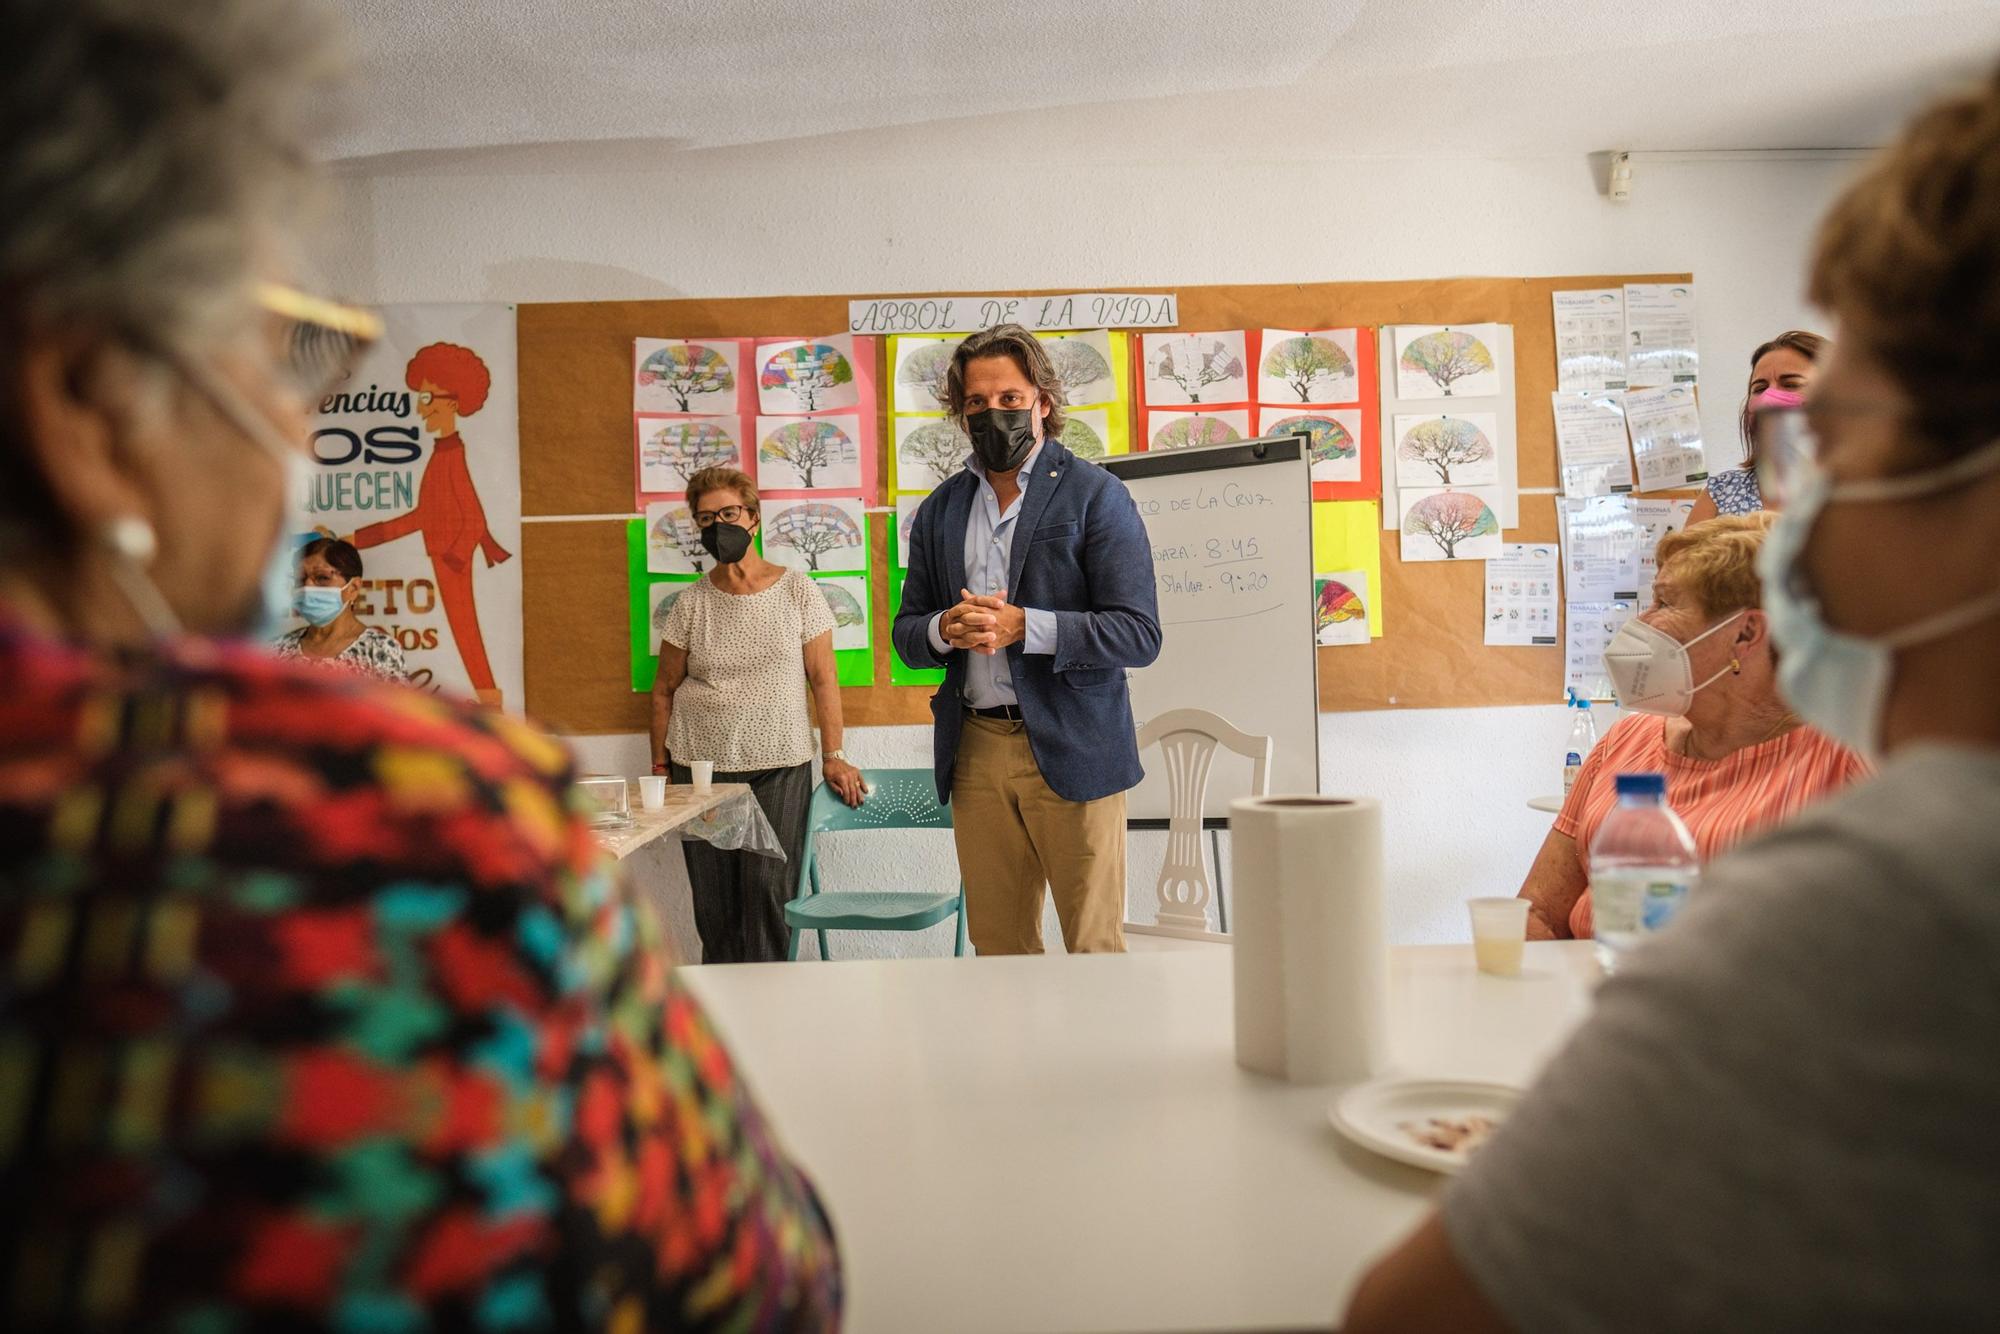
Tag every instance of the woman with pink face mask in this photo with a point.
(1780, 370)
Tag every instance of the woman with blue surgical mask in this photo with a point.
(1780, 1112)
(1879, 672)
(329, 590)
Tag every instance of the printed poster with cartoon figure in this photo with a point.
(419, 466)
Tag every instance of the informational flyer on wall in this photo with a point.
(1591, 443)
(1665, 425)
(1522, 595)
(1590, 340)
(1660, 344)
(1588, 629)
(1601, 538)
(419, 467)
(1656, 518)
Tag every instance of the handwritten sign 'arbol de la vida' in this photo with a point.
(970, 314)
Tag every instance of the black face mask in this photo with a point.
(1001, 437)
(727, 542)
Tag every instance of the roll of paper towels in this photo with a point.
(1311, 959)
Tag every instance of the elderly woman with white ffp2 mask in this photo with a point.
(1698, 674)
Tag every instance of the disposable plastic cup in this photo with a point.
(1499, 934)
(653, 792)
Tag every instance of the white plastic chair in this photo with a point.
(1187, 739)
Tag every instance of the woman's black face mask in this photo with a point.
(727, 542)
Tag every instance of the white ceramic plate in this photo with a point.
(1389, 1116)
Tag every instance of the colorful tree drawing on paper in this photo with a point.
(925, 371)
(1451, 517)
(1077, 364)
(687, 370)
(938, 448)
(814, 530)
(1337, 604)
(1080, 440)
(1444, 443)
(675, 533)
(807, 446)
(663, 606)
(1330, 442)
(685, 448)
(1200, 363)
(845, 608)
(806, 372)
(1194, 429)
(906, 519)
(1446, 356)
(1305, 361)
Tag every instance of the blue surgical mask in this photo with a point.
(319, 605)
(1837, 681)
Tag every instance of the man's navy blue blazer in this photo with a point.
(1080, 551)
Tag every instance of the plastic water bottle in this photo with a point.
(1582, 736)
(1642, 867)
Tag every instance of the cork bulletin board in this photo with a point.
(576, 465)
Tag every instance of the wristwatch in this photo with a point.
(835, 754)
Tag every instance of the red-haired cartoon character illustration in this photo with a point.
(450, 382)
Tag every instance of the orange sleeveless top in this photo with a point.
(1722, 802)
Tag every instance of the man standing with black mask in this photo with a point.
(1031, 583)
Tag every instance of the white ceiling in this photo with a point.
(1199, 79)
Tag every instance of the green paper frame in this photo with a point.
(853, 667)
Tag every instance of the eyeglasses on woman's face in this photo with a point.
(1788, 439)
(723, 514)
(319, 343)
(426, 397)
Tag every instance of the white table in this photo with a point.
(1063, 1143)
(684, 806)
(1552, 805)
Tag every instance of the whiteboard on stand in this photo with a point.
(1230, 527)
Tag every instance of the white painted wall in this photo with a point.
(993, 205)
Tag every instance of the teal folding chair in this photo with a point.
(902, 799)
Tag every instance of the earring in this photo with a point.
(1735, 667)
(131, 538)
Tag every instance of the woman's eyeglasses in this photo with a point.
(727, 514)
(425, 398)
(1784, 441)
(1787, 443)
(323, 340)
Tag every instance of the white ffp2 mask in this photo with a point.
(1651, 671)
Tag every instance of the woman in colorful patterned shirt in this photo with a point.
(319, 1007)
(1737, 760)
(329, 587)
(1780, 370)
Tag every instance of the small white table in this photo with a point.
(1552, 805)
(684, 807)
(1062, 1143)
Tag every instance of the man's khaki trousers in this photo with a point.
(1014, 836)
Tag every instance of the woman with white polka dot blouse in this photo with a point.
(739, 651)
